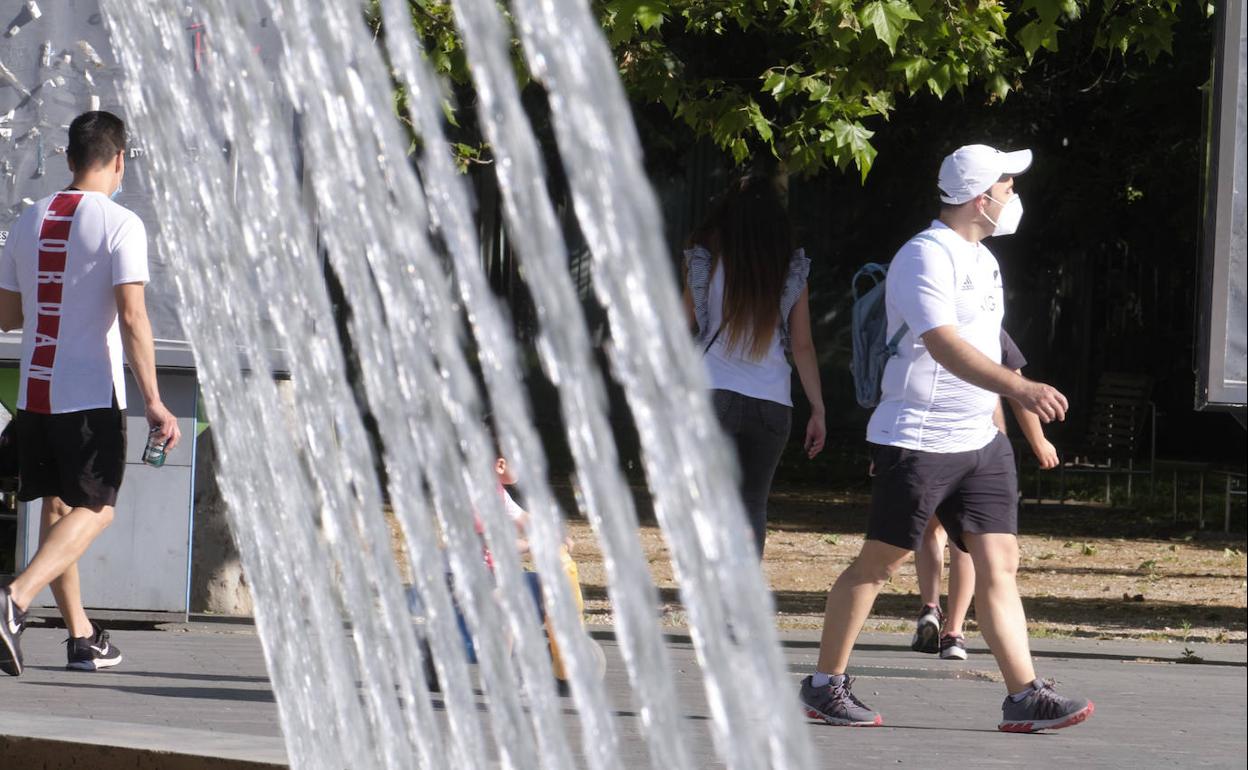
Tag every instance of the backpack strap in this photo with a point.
(891, 348)
(896, 340)
(924, 236)
(876, 272)
(714, 337)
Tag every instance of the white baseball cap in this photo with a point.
(969, 171)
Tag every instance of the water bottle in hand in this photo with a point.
(154, 452)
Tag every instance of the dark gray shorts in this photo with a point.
(975, 492)
(79, 457)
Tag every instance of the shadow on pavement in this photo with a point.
(198, 693)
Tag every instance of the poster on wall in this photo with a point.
(1222, 353)
(1221, 347)
(56, 62)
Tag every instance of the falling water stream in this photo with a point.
(266, 179)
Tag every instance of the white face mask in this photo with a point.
(1011, 214)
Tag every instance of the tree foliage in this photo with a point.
(808, 82)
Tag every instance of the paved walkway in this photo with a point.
(201, 689)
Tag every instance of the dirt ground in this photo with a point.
(1085, 571)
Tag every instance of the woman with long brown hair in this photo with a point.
(746, 294)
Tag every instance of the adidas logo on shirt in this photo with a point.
(967, 284)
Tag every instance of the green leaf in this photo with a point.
(651, 13)
(1036, 35)
(901, 11)
(855, 138)
(1047, 11)
(880, 102)
(759, 121)
(819, 90)
(912, 66)
(628, 15)
(449, 113)
(939, 79)
(875, 15)
(999, 87)
(774, 81)
(888, 19)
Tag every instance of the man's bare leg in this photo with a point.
(850, 600)
(66, 588)
(999, 609)
(62, 545)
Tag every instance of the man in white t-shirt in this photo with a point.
(71, 276)
(934, 440)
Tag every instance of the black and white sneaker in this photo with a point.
(953, 647)
(12, 623)
(91, 653)
(927, 630)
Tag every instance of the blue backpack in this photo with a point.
(869, 328)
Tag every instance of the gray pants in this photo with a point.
(759, 429)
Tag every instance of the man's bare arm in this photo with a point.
(967, 363)
(11, 316)
(136, 338)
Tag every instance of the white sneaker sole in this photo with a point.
(92, 665)
(9, 662)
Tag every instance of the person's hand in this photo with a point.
(815, 435)
(1046, 453)
(1045, 401)
(165, 426)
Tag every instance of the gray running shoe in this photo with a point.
(927, 631)
(836, 705)
(1043, 709)
(952, 647)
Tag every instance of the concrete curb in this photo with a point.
(38, 742)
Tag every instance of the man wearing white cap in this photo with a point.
(935, 449)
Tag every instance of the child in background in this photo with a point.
(936, 631)
(505, 477)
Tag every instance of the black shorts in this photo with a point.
(975, 492)
(79, 457)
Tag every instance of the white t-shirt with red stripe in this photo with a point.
(64, 255)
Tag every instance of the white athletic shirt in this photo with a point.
(64, 255)
(938, 279)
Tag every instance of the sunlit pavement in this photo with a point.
(201, 690)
